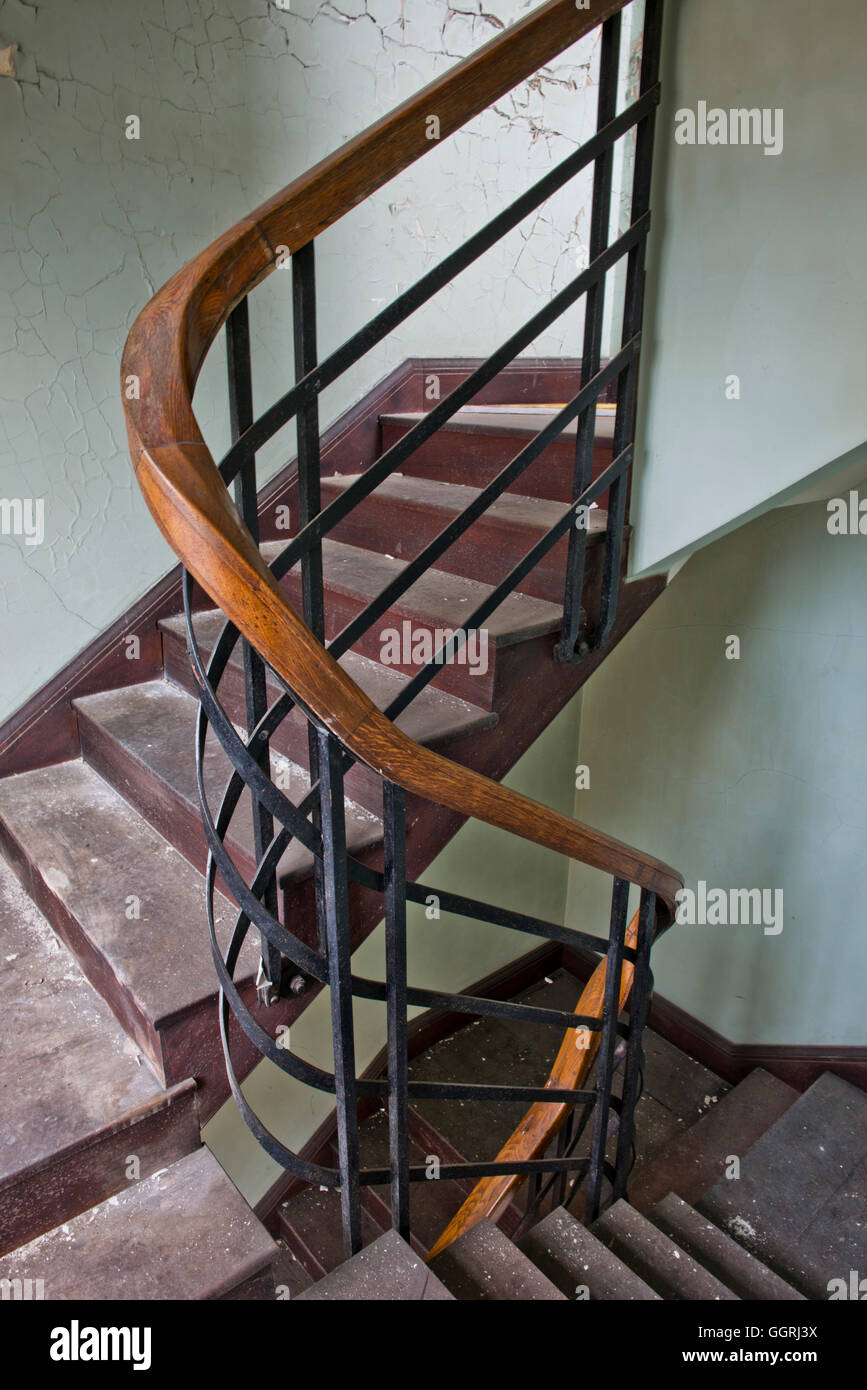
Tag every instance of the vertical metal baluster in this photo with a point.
(394, 818)
(309, 493)
(255, 691)
(605, 1056)
(534, 1183)
(638, 1011)
(624, 424)
(336, 905)
(594, 311)
(564, 1134)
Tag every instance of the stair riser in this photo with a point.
(72, 1181)
(185, 1045)
(362, 785)
(458, 456)
(488, 551)
(177, 819)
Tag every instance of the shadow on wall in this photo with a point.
(726, 735)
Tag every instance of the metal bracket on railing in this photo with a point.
(266, 992)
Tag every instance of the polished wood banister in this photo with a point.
(183, 489)
(531, 1138)
(200, 522)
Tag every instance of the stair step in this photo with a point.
(312, 1227)
(438, 599)
(573, 1258)
(183, 1233)
(434, 718)
(404, 514)
(689, 1164)
(657, 1260)
(386, 1271)
(718, 1253)
(76, 1100)
(86, 858)
(800, 1201)
(483, 1264)
(142, 739)
(477, 443)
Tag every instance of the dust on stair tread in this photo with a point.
(100, 859)
(67, 1068)
(432, 716)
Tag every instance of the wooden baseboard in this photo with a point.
(797, 1064)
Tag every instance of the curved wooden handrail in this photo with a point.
(183, 489)
(531, 1137)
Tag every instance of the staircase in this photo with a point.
(687, 1232)
(180, 1230)
(109, 847)
(334, 702)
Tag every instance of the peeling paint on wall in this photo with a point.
(138, 133)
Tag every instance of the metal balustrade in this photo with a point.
(318, 820)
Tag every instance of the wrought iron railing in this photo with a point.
(219, 546)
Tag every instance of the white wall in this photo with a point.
(758, 268)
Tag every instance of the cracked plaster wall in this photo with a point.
(235, 98)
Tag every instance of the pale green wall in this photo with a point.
(758, 268)
(236, 98)
(449, 954)
(748, 773)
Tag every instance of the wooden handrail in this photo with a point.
(184, 491)
(531, 1137)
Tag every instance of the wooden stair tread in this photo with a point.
(154, 725)
(74, 1095)
(88, 851)
(442, 598)
(513, 509)
(433, 717)
(184, 1233)
(507, 420)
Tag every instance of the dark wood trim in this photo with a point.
(797, 1064)
(45, 730)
